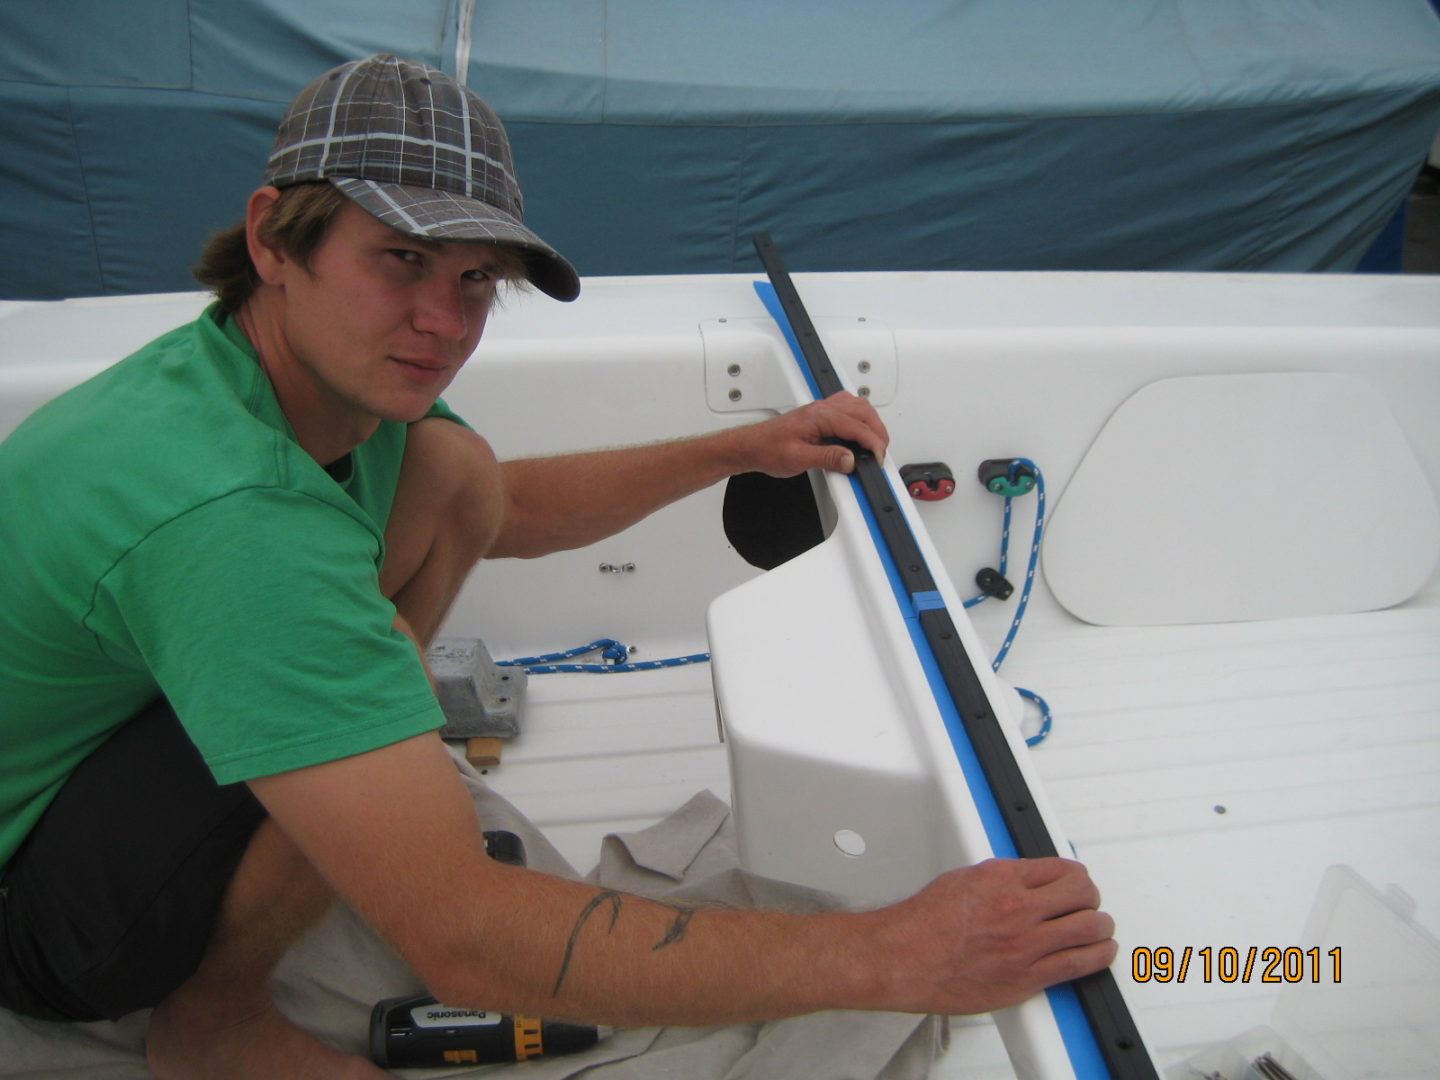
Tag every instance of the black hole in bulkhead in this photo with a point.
(770, 521)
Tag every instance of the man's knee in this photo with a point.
(449, 504)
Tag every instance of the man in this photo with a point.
(236, 544)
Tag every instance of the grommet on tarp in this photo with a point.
(931, 481)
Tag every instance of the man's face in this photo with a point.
(381, 322)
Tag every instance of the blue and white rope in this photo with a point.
(609, 649)
(1035, 537)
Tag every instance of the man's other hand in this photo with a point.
(806, 438)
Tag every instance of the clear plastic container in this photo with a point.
(1360, 997)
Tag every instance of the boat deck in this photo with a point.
(1207, 775)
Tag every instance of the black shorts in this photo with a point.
(109, 903)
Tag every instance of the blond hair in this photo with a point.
(296, 224)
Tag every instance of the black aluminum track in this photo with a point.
(1099, 995)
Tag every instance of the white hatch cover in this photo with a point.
(1237, 497)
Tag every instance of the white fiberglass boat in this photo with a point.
(1234, 619)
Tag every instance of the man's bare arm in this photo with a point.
(396, 835)
(564, 502)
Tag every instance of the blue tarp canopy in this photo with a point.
(654, 136)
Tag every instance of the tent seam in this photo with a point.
(85, 189)
(738, 196)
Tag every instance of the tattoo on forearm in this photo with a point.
(677, 928)
(675, 932)
(614, 900)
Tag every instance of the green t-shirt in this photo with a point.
(161, 532)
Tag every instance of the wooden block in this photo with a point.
(483, 752)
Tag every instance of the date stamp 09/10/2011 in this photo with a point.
(1232, 964)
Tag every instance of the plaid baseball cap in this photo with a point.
(418, 150)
